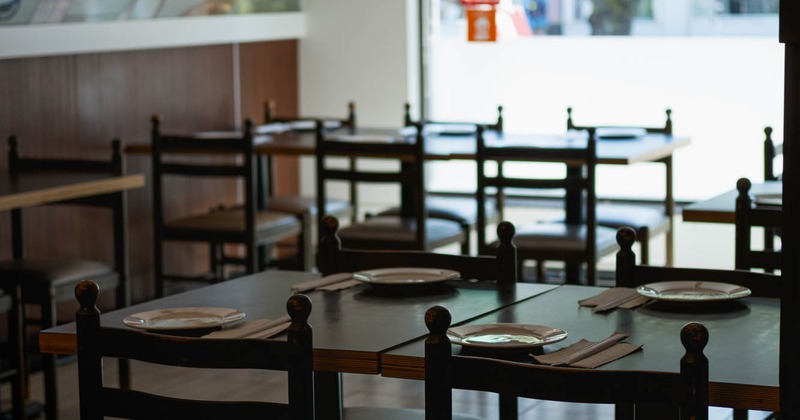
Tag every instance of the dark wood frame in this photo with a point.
(749, 215)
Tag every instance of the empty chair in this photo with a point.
(647, 221)
(630, 274)
(45, 281)
(241, 223)
(303, 206)
(750, 214)
(499, 267)
(463, 210)
(577, 240)
(96, 342)
(773, 153)
(686, 390)
(412, 229)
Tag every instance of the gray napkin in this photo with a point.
(323, 282)
(588, 354)
(258, 328)
(615, 297)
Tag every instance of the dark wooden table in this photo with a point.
(742, 349)
(352, 328)
(722, 208)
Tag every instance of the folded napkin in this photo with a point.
(616, 297)
(328, 282)
(588, 354)
(258, 328)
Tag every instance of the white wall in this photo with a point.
(357, 50)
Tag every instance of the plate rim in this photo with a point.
(457, 340)
(644, 291)
(236, 315)
(364, 277)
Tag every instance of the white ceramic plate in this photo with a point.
(405, 276)
(505, 335)
(183, 318)
(305, 125)
(769, 199)
(693, 291)
(619, 133)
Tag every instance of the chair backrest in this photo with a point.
(212, 158)
(409, 152)
(629, 274)
(750, 214)
(666, 129)
(579, 179)
(270, 116)
(408, 121)
(444, 371)
(115, 201)
(500, 267)
(771, 152)
(96, 342)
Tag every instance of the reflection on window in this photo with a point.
(624, 17)
(16, 12)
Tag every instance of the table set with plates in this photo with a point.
(350, 334)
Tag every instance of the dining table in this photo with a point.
(351, 334)
(352, 328)
(742, 349)
(722, 207)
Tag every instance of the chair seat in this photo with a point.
(232, 220)
(386, 413)
(637, 217)
(463, 210)
(56, 277)
(396, 231)
(298, 205)
(559, 237)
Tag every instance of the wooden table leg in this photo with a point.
(328, 395)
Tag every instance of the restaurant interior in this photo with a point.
(429, 209)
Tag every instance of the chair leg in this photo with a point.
(49, 364)
(740, 414)
(509, 408)
(466, 244)
(643, 236)
(19, 383)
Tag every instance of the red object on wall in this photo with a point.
(467, 3)
(481, 22)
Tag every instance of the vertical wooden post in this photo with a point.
(790, 290)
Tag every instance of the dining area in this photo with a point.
(201, 227)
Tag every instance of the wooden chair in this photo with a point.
(242, 223)
(13, 369)
(647, 221)
(96, 342)
(749, 215)
(413, 229)
(577, 240)
(463, 210)
(500, 267)
(45, 281)
(629, 274)
(304, 207)
(687, 390)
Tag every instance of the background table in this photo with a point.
(722, 208)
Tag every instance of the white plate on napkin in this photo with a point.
(183, 318)
(505, 336)
(402, 276)
(693, 291)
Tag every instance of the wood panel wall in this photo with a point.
(72, 106)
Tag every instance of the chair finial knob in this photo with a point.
(768, 131)
(626, 236)
(330, 225)
(743, 185)
(299, 308)
(694, 337)
(86, 292)
(506, 231)
(437, 319)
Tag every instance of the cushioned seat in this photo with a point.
(57, 277)
(563, 237)
(233, 220)
(384, 413)
(396, 233)
(297, 205)
(620, 215)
